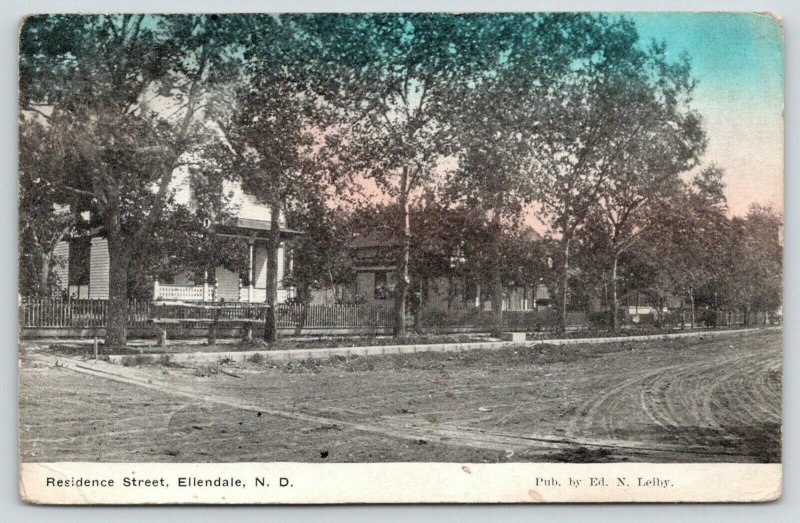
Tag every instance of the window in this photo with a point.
(383, 289)
(79, 254)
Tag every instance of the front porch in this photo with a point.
(248, 286)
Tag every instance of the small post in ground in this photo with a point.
(95, 348)
(162, 337)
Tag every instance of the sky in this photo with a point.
(737, 59)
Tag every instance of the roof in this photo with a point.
(374, 239)
(531, 234)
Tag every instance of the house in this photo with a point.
(375, 263)
(84, 271)
(634, 305)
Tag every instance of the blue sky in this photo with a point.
(738, 60)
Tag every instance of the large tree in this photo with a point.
(275, 125)
(394, 79)
(321, 257)
(125, 94)
(613, 95)
(498, 118)
(753, 268)
(42, 224)
(683, 250)
(646, 172)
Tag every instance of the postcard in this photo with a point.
(400, 258)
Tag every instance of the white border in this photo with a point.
(10, 15)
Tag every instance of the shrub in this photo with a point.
(256, 358)
(206, 369)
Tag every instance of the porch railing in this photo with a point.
(256, 295)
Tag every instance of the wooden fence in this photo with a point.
(473, 317)
(66, 313)
(71, 313)
(82, 314)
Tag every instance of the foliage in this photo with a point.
(123, 95)
(321, 256)
(393, 80)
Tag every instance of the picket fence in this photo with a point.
(67, 313)
(519, 320)
(72, 313)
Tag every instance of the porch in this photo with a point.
(211, 293)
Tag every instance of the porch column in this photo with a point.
(250, 276)
(289, 266)
(205, 285)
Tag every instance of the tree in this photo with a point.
(592, 118)
(273, 127)
(669, 142)
(42, 225)
(125, 93)
(683, 249)
(393, 78)
(753, 262)
(497, 115)
(320, 254)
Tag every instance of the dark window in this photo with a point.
(79, 251)
(382, 291)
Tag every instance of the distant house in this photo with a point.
(375, 263)
(84, 271)
(633, 305)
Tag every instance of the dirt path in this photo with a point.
(687, 400)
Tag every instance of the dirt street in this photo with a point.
(690, 400)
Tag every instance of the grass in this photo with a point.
(148, 359)
(86, 350)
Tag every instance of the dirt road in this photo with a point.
(681, 400)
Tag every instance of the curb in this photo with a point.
(325, 353)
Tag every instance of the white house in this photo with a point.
(84, 273)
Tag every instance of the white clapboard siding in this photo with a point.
(260, 266)
(98, 269)
(227, 285)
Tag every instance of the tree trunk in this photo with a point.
(613, 318)
(401, 289)
(44, 277)
(561, 326)
(305, 299)
(683, 316)
(691, 299)
(497, 282)
(119, 257)
(273, 244)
